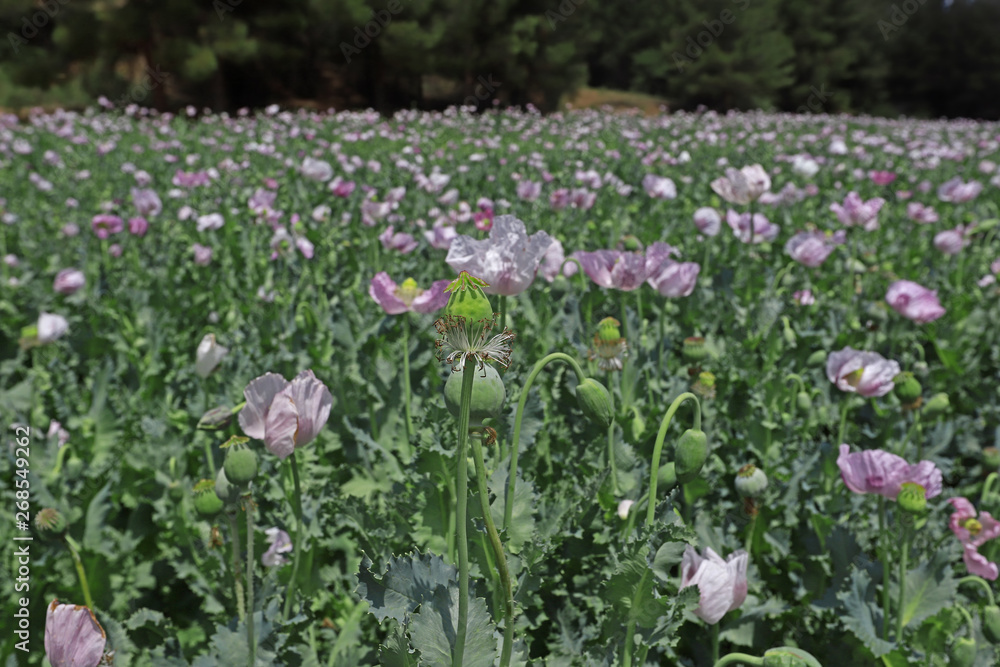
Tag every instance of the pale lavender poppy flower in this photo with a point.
(138, 226)
(70, 230)
(401, 241)
(917, 212)
(763, 229)
(305, 246)
(372, 210)
(973, 530)
(855, 212)
(396, 299)
(708, 221)
(878, 471)
(73, 636)
(810, 248)
(69, 281)
(104, 225)
(507, 261)
(115, 250)
(529, 190)
(12, 261)
(553, 260)
(914, 301)
(202, 254)
(675, 279)
(57, 431)
(285, 415)
(659, 187)
(317, 170)
(51, 327)
(804, 297)
(614, 269)
(146, 202)
(742, 186)
(210, 221)
(722, 584)
(341, 188)
(262, 201)
(951, 241)
(280, 544)
(559, 199)
(440, 235)
(957, 192)
(865, 373)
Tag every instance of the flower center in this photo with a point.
(408, 291)
(854, 378)
(971, 525)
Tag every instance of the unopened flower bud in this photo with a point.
(751, 482)
(991, 458)
(936, 406)
(228, 492)
(963, 652)
(803, 401)
(488, 394)
(817, 358)
(991, 623)
(690, 453)
(912, 498)
(667, 477)
(694, 349)
(624, 507)
(216, 418)
(240, 464)
(788, 333)
(907, 388)
(50, 520)
(206, 502)
(468, 300)
(787, 656)
(595, 402)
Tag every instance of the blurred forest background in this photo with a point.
(916, 57)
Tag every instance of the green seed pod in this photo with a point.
(963, 652)
(595, 402)
(817, 358)
(907, 388)
(787, 656)
(788, 333)
(608, 330)
(936, 406)
(488, 395)
(205, 501)
(667, 477)
(690, 453)
(694, 349)
(228, 492)
(631, 243)
(912, 498)
(468, 299)
(991, 623)
(751, 482)
(240, 465)
(74, 467)
(803, 401)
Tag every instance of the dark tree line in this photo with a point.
(917, 57)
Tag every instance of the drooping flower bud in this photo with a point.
(635, 427)
(595, 402)
(206, 502)
(788, 333)
(936, 406)
(631, 243)
(803, 401)
(991, 623)
(751, 482)
(907, 388)
(912, 498)
(216, 418)
(963, 652)
(787, 656)
(694, 349)
(468, 300)
(667, 477)
(690, 453)
(488, 395)
(50, 520)
(817, 359)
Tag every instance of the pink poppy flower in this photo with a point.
(401, 241)
(877, 471)
(957, 192)
(483, 219)
(742, 186)
(973, 531)
(763, 229)
(138, 226)
(708, 221)
(73, 636)
(507, 261)
(115, 250)
(395, 299)
(202, 254)
(146, 202)
(722, 584)
(865, 373)
(882, 177)
(440, 235)
(811, 248)
(280, 544)
(69, 281)
(104, 225)
(529, 190)
(951, 241)
(855, 212)
(914, 301)
(340, 187)
(804, 297)
(614, 269)
(917, 212)
(285, 415)
(552, 260)
(659, 187)
(675, 279)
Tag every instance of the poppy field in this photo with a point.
(304, 388)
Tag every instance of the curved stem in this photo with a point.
(734, 658)
(462, 505)
(968, 620)
(298, 541)
(978, 580)
(234, 532)
(776, 285)
(516, 438)
(658, 448)
(406, 385)
(74, 549)
(251, 626)
(988, 487)
(501, 560)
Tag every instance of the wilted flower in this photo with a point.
(614, 269)
(722, 584)
(316, 170)
(395, 299)
(69, 281)
(675, 279)
(878, 471)
(914, 301)
(865, 373)
(208, 356)
(708, 221)
(811, 248)
(463, 338)
(742, 186)
(73, 637)
(951, 241)
(957, 192)
(281, 544)
(609, 349)
(855, 212)
(285, 415)
(146, 202)
(659, 187)
(507, 261)
(763, 229)
(105, 225)
(973, 531)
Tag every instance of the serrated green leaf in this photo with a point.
(408, 582)
(522, 523)
(929, 589)
(863, 617)
(97, 510)
(395, 652)
(433, 631)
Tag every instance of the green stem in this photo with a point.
(74, 549)
(298, 542)
(885, 567)
(503, 312)
(450, 528)
(462, 502)
(715, 643)
(968, 620)
(630, 627)
(981, 582)
(844, 408)
(658, 448)
(792, 406)
(611, 444)
(234, 531)
(406, 451)
(909, 433)
(902, 584)
(251, 643)
(516, 439)
(501, 560)
(734, 658)
(988, 487)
